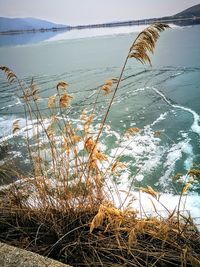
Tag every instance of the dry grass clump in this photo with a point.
(65, 208)
(103, 237)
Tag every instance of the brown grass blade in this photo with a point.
(62, 85)
(34, 91)
(15, 126)
(149, 190)
(10, 75)
(51, 101)
(65, 100)
(194, 173)
(186, 187)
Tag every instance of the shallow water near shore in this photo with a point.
(164, 98)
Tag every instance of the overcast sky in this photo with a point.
(74, 12)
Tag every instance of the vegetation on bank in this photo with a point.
(66, 208)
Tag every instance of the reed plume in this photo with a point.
(15, 126)
(143, 44)
(10, 75)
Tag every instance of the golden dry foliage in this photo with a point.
(117, 166)
(50, 131)
(111, 219)
(94, 158)
(113, 216)
(95, 154)
(99, 155)
(87, 120)
(10, 75)
(89, 144)
(194, 173)
(145, 42)
(83, 115)
(178, 176)
(93, 163)
(97, 220)
(132, 131)
(50, 127)
(186, 187)
(26, 95)
(65, 100)
(62, 85)
(15, 126)
(106, 87)
(158, 133)
(149, 190)
(65, 145)
(90, 147)
(132, 238)
(34, 91)
(109, 82)
(75, 138)
(194, 261)
(115, 80)
(52, 101)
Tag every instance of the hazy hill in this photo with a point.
(17, 24)
(190, 12)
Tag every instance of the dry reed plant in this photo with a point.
(64, 210)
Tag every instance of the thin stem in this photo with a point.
(111, 101)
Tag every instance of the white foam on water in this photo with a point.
(188, 150)
(148, 152)
(160, 118)
(174, 154)
(144, 148)
(167, 203)
(176, 151)
(142, 202)
(18, 102)
(139, 90)
(7, 123)
(195, 127)
(139, 177)
(177, 74)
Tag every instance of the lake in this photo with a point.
(162, 99)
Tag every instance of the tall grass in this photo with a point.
(66, 209)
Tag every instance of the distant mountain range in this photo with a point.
(7, 25)
(188, 16)
(193, 11)
(26, 24)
